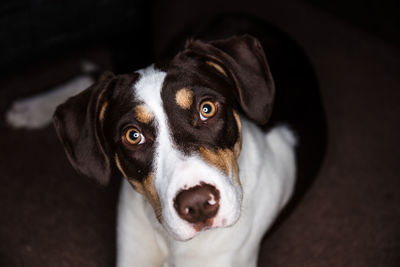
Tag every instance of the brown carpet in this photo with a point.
(349, 217)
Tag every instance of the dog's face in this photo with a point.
(173, 130)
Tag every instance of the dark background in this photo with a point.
(350, 216)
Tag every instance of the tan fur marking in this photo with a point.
(147, 188)
(103, 111)
(143, 114)
(226, 159)
(184, 98)
(217, 67)
(223, 159)
(119, 165)
(151, 195)
(238, 146)
(138, 186)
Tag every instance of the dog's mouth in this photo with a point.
(193, 230)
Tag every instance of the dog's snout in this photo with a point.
(197, 204)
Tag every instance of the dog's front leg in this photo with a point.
(136, 240)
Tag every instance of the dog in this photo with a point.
(204, 178)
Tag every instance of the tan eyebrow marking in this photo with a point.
(103, 111)
(217, 67)
(143, 114)
(184, 98)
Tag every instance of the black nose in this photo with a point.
(197, 204)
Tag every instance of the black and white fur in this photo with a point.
(267, 170)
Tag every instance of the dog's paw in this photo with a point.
(36, 112)
(29, 113)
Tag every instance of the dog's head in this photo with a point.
(173, 130)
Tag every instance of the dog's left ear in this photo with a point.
(78, 124)
(242, 59)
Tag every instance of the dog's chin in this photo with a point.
(186, 236)
(187, 232)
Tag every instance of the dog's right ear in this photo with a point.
(78, 123)
(242, 59)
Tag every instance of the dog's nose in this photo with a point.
(197, 204)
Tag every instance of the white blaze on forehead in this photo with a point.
(148, 90)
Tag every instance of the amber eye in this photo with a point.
(207, 110)
(134, 137)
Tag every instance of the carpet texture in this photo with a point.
(350, 215)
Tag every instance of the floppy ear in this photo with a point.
(78, 125)
(242, 59)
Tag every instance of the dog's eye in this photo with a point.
(207, 110)
(134, 137)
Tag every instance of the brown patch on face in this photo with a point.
(238, 145)
(103, 111)
(118, 163)
(143, 114)
(226, 159)
(223, 159)
(146, 188)
(217, 67)
(136, 185)
(184, 98)
(151, 195)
